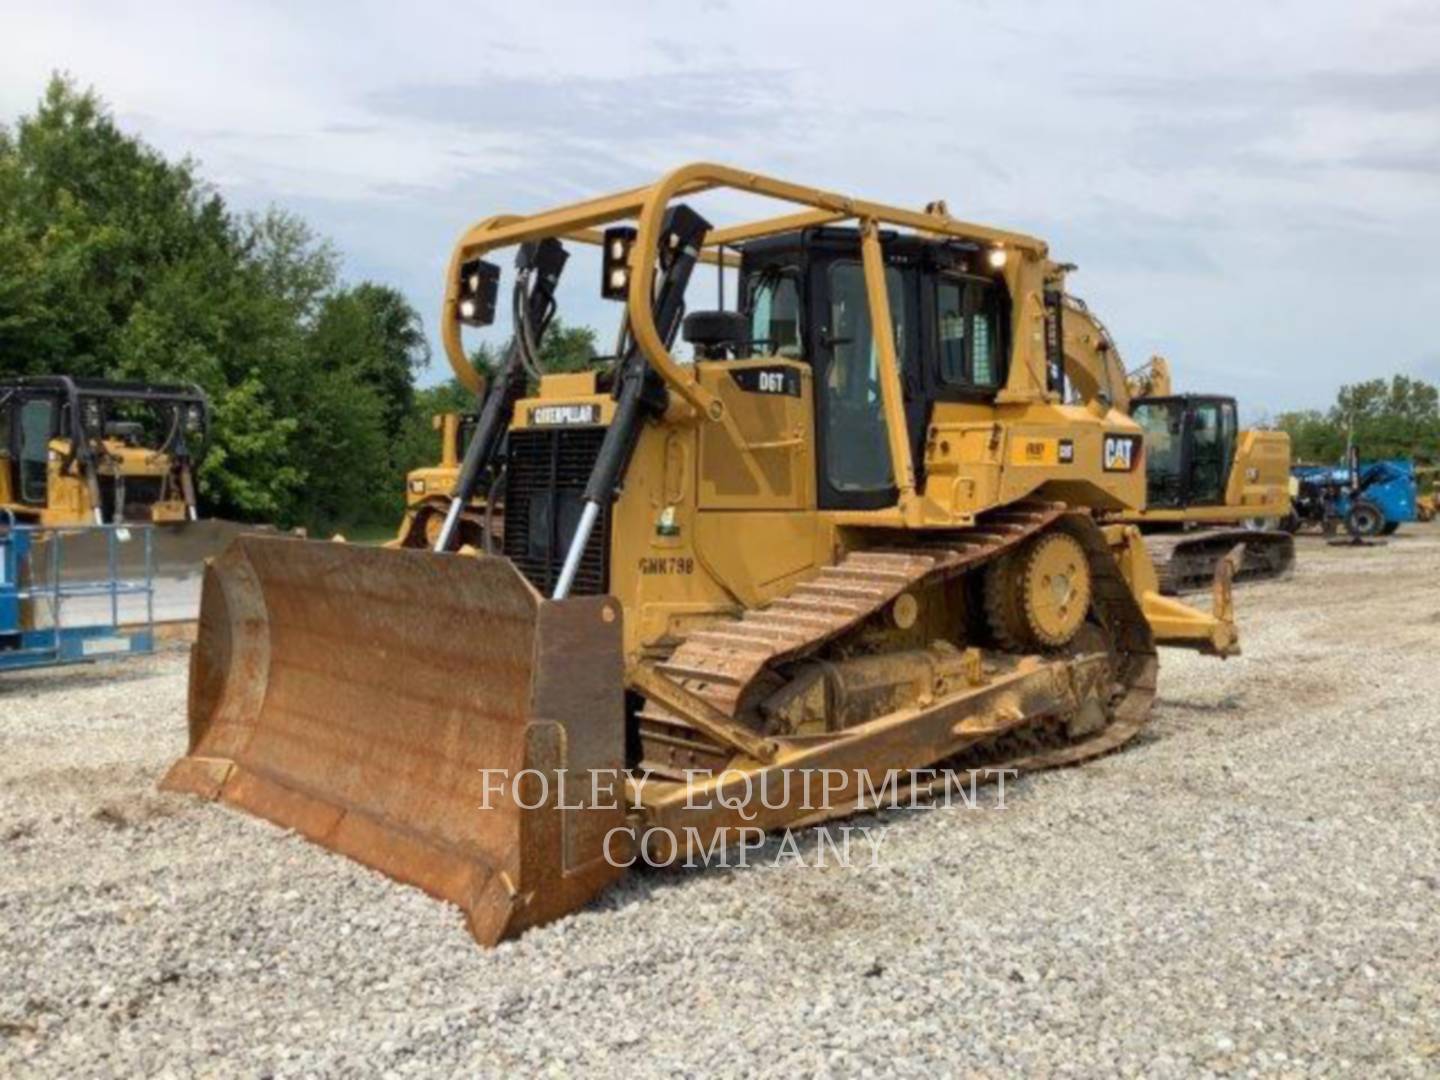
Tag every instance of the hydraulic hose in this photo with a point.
(540, 266)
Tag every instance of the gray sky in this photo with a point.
(1252, 189)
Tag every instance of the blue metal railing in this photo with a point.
(39, 602)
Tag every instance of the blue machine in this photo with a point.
(1373, 498)
(38, 601)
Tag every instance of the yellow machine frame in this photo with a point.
(977, 456)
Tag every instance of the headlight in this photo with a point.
(615, 266)
(479, 283)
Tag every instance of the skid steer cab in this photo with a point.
(846, 523)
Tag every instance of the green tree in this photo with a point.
(372, 331)
(1313, 439)
(1395, 418)
(567, 348)
(562, 349)
(115, 262)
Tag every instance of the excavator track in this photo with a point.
(1185, 562)
(726, 664)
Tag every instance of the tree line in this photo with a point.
(1395, 419)
(118, 263)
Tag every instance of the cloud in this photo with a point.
(1421, 160)
(647, 107)
(1386, 89)
(1247, 188)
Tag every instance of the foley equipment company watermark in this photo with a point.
(737, 818)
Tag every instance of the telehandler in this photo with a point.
(853, 532)
(1203, 473)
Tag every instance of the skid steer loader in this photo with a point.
(1210, 486)
(853, 534)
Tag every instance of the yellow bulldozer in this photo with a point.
(1210, 485)
(78, 452)
(428, 492)
(846, 531)
(86, 451)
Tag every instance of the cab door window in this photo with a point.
(1212, 445)
(37, 427)
(856, 437)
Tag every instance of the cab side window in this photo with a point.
(969, 319)
(775, 315)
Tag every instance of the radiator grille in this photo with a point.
(547, 470)
(141, 493)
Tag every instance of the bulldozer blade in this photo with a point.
(177, 550)
(430, 716)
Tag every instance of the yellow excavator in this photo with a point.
(1210, 486)
(848, 532)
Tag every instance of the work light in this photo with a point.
(479, 284)
(615, 264)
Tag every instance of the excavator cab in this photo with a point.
(1190, 444)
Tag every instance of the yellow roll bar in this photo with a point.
(647, 206)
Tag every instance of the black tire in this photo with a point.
(1291, 523)
(1365, 519)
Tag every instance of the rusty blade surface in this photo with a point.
(358, 695)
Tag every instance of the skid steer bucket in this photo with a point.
(428, 715)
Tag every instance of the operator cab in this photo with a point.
(93, 424)
(804, 298)
(27, 424)
(1189, 447)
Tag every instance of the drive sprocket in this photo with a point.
(1039, 596)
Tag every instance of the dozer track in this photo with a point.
(1185, 562)
(726, 664)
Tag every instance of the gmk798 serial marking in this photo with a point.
(667, 564)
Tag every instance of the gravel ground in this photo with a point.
(1253, 886)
